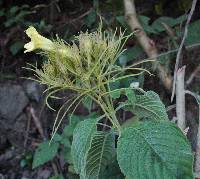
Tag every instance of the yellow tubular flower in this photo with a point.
(37, 41)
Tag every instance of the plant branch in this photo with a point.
(37, 122)
(147, 44)
(194, 2)
(180, 98)
(197, 162)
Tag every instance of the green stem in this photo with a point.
(108, 110)
(112, 114)
(109, 104)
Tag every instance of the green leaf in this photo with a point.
(57, 177)
(16, 47)
(66, 142)
(193, 33)
(22, 15)
(75, 119)
(148, 106)
(72, 176)
(57, 137)
(130, 95)
(112, 171)
(121, 20)
(87, 103)
(113, 86)
(44, 153)
(91, 150)
(71, 169)
(2, 13)
(90, 19)
(155, 150)
(9, 22)
(157, 24)
(23, 163)
(100, 154)
(130, 54)
(115, 94)
(68, 131)
(144, 20)
(67, 155)
(130, 122)
(13, 10)
(81, 143)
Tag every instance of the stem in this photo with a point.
(197, 162)
(178, 56)
(111, 112)
(110, 107)
(108, 110)
(113, 119)
(146, 43)
(180, 98)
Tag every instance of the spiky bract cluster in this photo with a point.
(87, 66)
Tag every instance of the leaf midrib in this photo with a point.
(160, 157)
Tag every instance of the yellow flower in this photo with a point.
(37, 41)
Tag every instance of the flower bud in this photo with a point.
(65, 52)
(85, 43)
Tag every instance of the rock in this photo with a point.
(12, 101)
(33, 90)
(16, 132)
(26, 174)
(20, 123)
(3, 141)
(2, 176)
(43, 174)
(13, 131)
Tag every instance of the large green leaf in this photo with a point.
(91, 150)
(82, 138)
(154, 150)
(44, 153)
(148, 106)
(101, 153)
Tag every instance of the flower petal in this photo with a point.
(29, 47)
